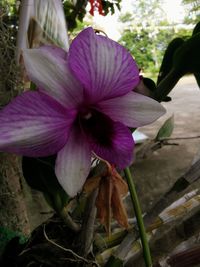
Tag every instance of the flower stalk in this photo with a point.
(138, 214)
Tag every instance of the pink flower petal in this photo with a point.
(104, 67)
(120, 149)
(73, 163)
(34, 124)
(132, 109)
(48, 69)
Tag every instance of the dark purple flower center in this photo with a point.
(97, 126)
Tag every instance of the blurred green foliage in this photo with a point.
(147, 34)
(148, 47)
(192, 8)
(75, 13)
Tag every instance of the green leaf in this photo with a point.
(166, 129)
(114, 262)
(40, 175)
(167, 62)
(197, 77)
(196, 29)
(186, 58)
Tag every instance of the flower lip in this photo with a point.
(96, 126)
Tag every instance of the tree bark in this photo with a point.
(13, 210)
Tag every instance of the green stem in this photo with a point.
(138, 214)
(114, 262)
(68, 220)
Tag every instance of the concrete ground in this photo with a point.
(157, 173)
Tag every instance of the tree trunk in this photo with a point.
(13, 211)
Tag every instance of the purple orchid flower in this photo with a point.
(84, 104)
